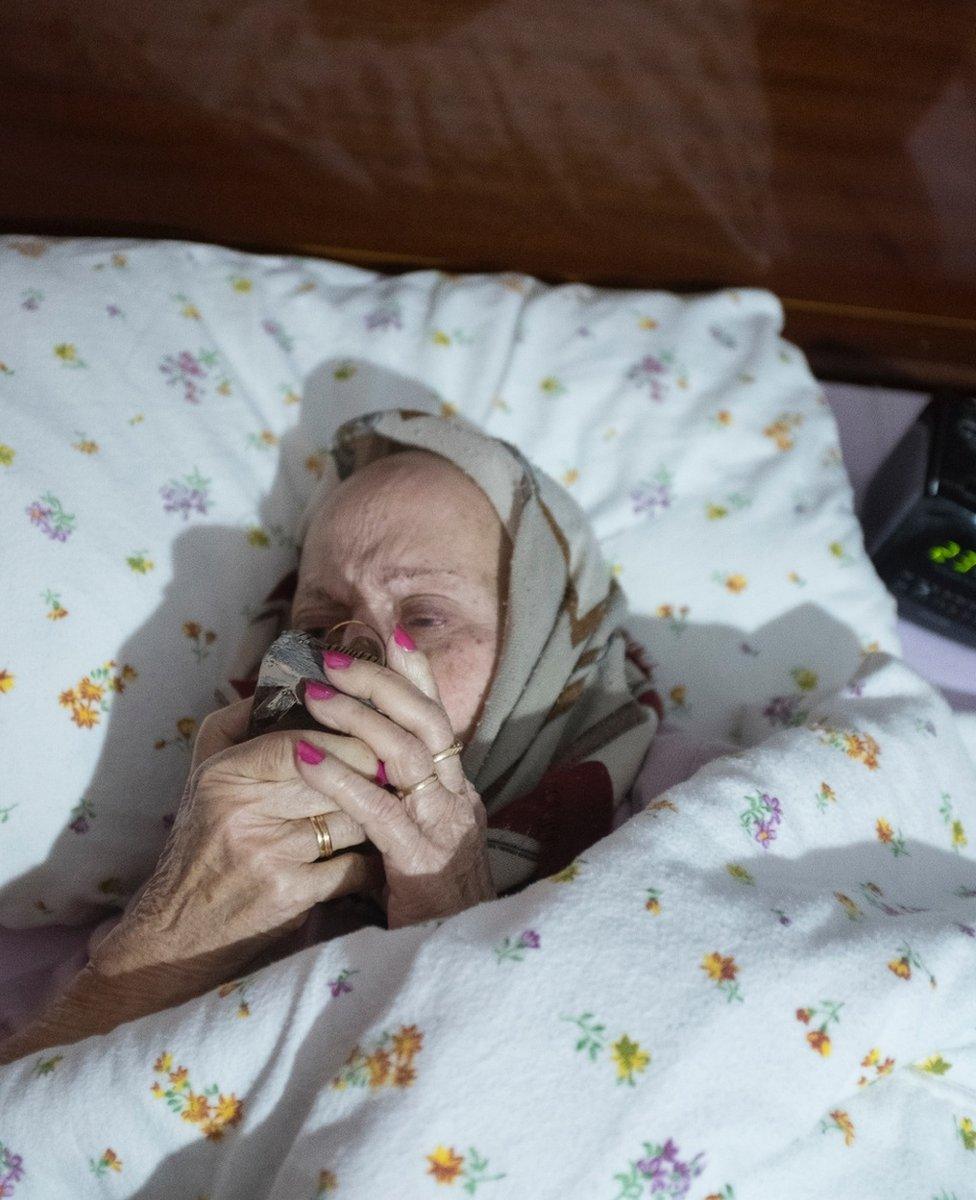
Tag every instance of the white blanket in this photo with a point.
(762, 986)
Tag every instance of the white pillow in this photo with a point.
(165, 409)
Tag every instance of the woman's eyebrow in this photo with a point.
(315, 592)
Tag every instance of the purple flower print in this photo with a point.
(762, 817)
(386, 315)
(113, 310)
(48, 514)
(785, 711)
(274, 330)
(966, 929)
(11, 1170)
(81, 814)
(341, 985)
(647, 371)
(187, 496)
(513, 949)
(188, 369)
(663, 1171)
(653, 495)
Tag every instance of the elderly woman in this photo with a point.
(498, 741)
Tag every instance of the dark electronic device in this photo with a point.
(919, 519)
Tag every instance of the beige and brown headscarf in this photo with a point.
(569, 687)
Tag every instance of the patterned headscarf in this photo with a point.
(569, 687)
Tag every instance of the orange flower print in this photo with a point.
(89, 698)
(825, 797)
(781, 430)
(653, 901)
(210, 1109)
(888, 837)
(905, 959)
(445, 1165)
(860, 746)
(735, 582)
(722, 970)
(839, 1120)
(448, 1167)
(881, 1067)
(7, 681)
(327, 1183)
(568, 873)
(186, 729)
(57, 611)
(818, 1039)
(388, 1064)
(109, 1161)
(202, 638)
(849, 907)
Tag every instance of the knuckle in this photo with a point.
(411, 761)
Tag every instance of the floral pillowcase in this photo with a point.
(165, 411)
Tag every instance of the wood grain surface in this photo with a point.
(825, 151)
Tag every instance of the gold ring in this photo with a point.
(451, 750)
(415, 787)
(322, 835)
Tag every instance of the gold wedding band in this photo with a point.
(322, 835)
(442, 754)
(415, 787)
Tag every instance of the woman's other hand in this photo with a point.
(433, 842)
(239, 869)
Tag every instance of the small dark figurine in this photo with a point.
(292, 658)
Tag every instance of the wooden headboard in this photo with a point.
(824, 150)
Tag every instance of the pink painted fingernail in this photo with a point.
(319, 691)
(402, 638)
(381, 773)
(336, 659)
(309, 753)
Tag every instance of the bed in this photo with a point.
(616, 236)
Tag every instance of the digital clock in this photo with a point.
(919, 519)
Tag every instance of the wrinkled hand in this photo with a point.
(239, 870)
(433, 842)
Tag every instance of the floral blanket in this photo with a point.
(760, 986)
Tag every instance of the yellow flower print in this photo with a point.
(186, 726)
(805, 679)
(552, 386)
(736, 583)
(739, 873)
(90, 691)
(567, 874)
(407, 1042)
(229, 1110)
(66, 352)
(715, 512)
(653, 901)
(179, 1077)
(257, 537)
(935, 1064)
(327, 1183)
(109, 1161)
(723, 417)
(677, 695)
(569, 477)
(849, 907)
(881, 1067)
(447, 409)
(164, 1062)
(85, 445)
(7, 681)
(839, 1119)
(647, 323)
(6, 454)
(967, 1133)
(630, 1059)
(240, 283)
(900, 967)
(140, 563)
(440, 338)
(85, 717)
(157, 1089)
(722, 970)
(445, 1165)
(378, 1067)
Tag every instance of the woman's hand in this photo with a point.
(433, 842)
(239, 870)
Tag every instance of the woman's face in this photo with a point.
(411, 539)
